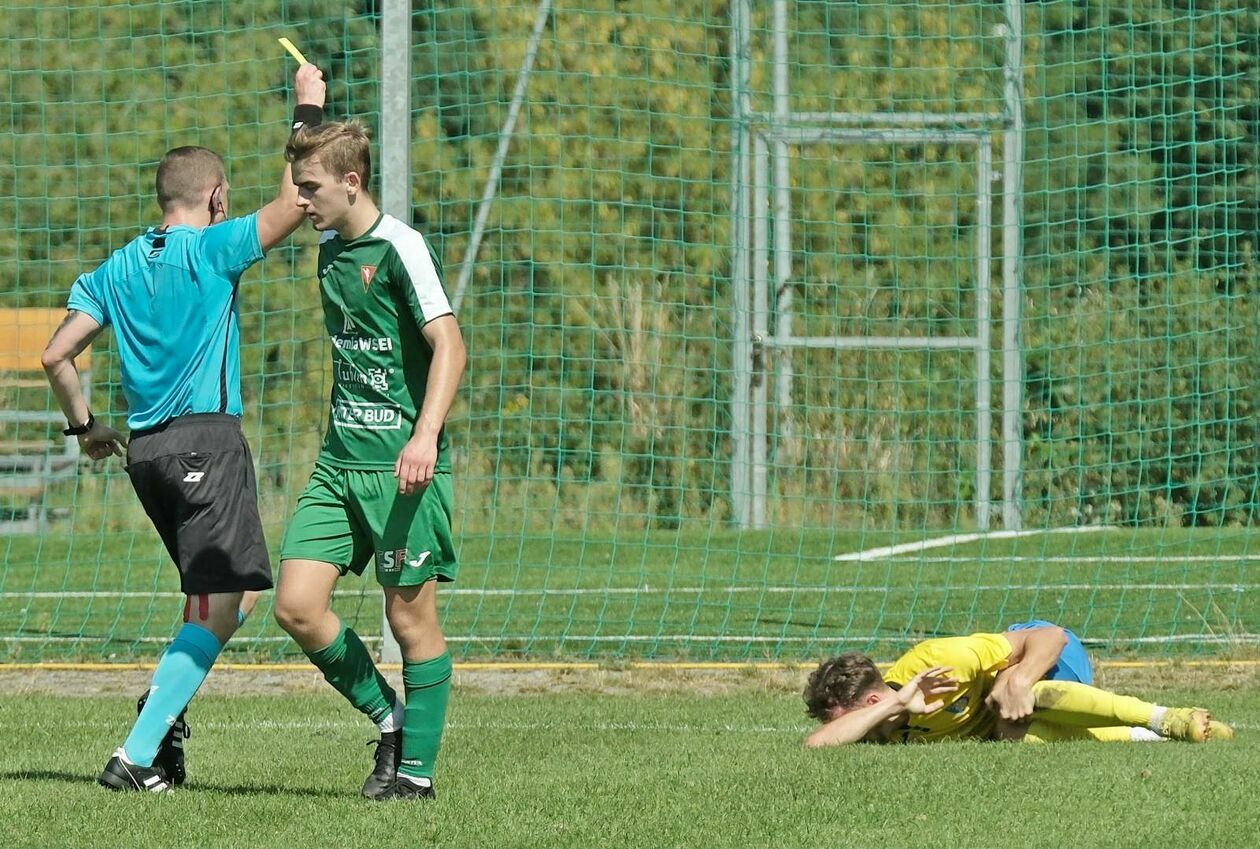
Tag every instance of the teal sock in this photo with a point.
(428, 687)
(347, 665)
(179, 674)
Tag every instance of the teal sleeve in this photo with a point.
(232, 246)
(85, 297)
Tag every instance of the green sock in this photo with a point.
(428, 686)
(347, 665)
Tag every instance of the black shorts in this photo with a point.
(195, 477)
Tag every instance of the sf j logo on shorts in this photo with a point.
(395, 561)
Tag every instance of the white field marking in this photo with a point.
(683, 728)
(1235, 639)
(1212, 639)
(651, 590)
(351, 725)
(1084, 558)
(959, 539)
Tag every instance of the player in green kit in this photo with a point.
(381, 487)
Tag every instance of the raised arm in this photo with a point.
(71, 338)
(282, 216)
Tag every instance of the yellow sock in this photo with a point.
(1081, 706)
(1040, 731)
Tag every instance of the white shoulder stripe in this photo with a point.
(414, 253)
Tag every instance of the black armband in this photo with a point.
(307, 115)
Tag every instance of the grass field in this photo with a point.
(606, 758)
(692, 594)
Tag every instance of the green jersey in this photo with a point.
(378, 291)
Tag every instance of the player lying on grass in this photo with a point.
(985, 686)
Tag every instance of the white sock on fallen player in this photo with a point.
(1157, 718)
(1145, 735)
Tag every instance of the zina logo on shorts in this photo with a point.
(194, 477)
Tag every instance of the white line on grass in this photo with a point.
(1085, 558)
(700, 590)
(960, 539)
(1230, 639)
(1239, 639)
(352, 725)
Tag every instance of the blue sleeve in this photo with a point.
(232, 246)
(85, 296)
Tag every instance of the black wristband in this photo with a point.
(307, 115)
(79, 430)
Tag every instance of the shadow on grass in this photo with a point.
(229, 789)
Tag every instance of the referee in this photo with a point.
(172, 297)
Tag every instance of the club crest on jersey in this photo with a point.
(366, 273)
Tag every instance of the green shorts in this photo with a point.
(347, 516)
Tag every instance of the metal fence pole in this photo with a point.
(395, 160)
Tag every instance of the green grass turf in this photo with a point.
(584, 769)
(692, 594)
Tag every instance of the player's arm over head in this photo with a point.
(846, 695)
(855, 704)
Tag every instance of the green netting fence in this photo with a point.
(794, 326)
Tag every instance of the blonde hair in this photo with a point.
(342, 147)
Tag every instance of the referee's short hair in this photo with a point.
(342, 147)
(184, 175)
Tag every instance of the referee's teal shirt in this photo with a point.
(171, 298)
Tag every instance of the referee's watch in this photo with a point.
(79, 430)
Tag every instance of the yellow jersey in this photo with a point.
(975, 662)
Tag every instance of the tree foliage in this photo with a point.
(599, 316)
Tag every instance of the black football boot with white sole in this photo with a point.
(122, 774)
